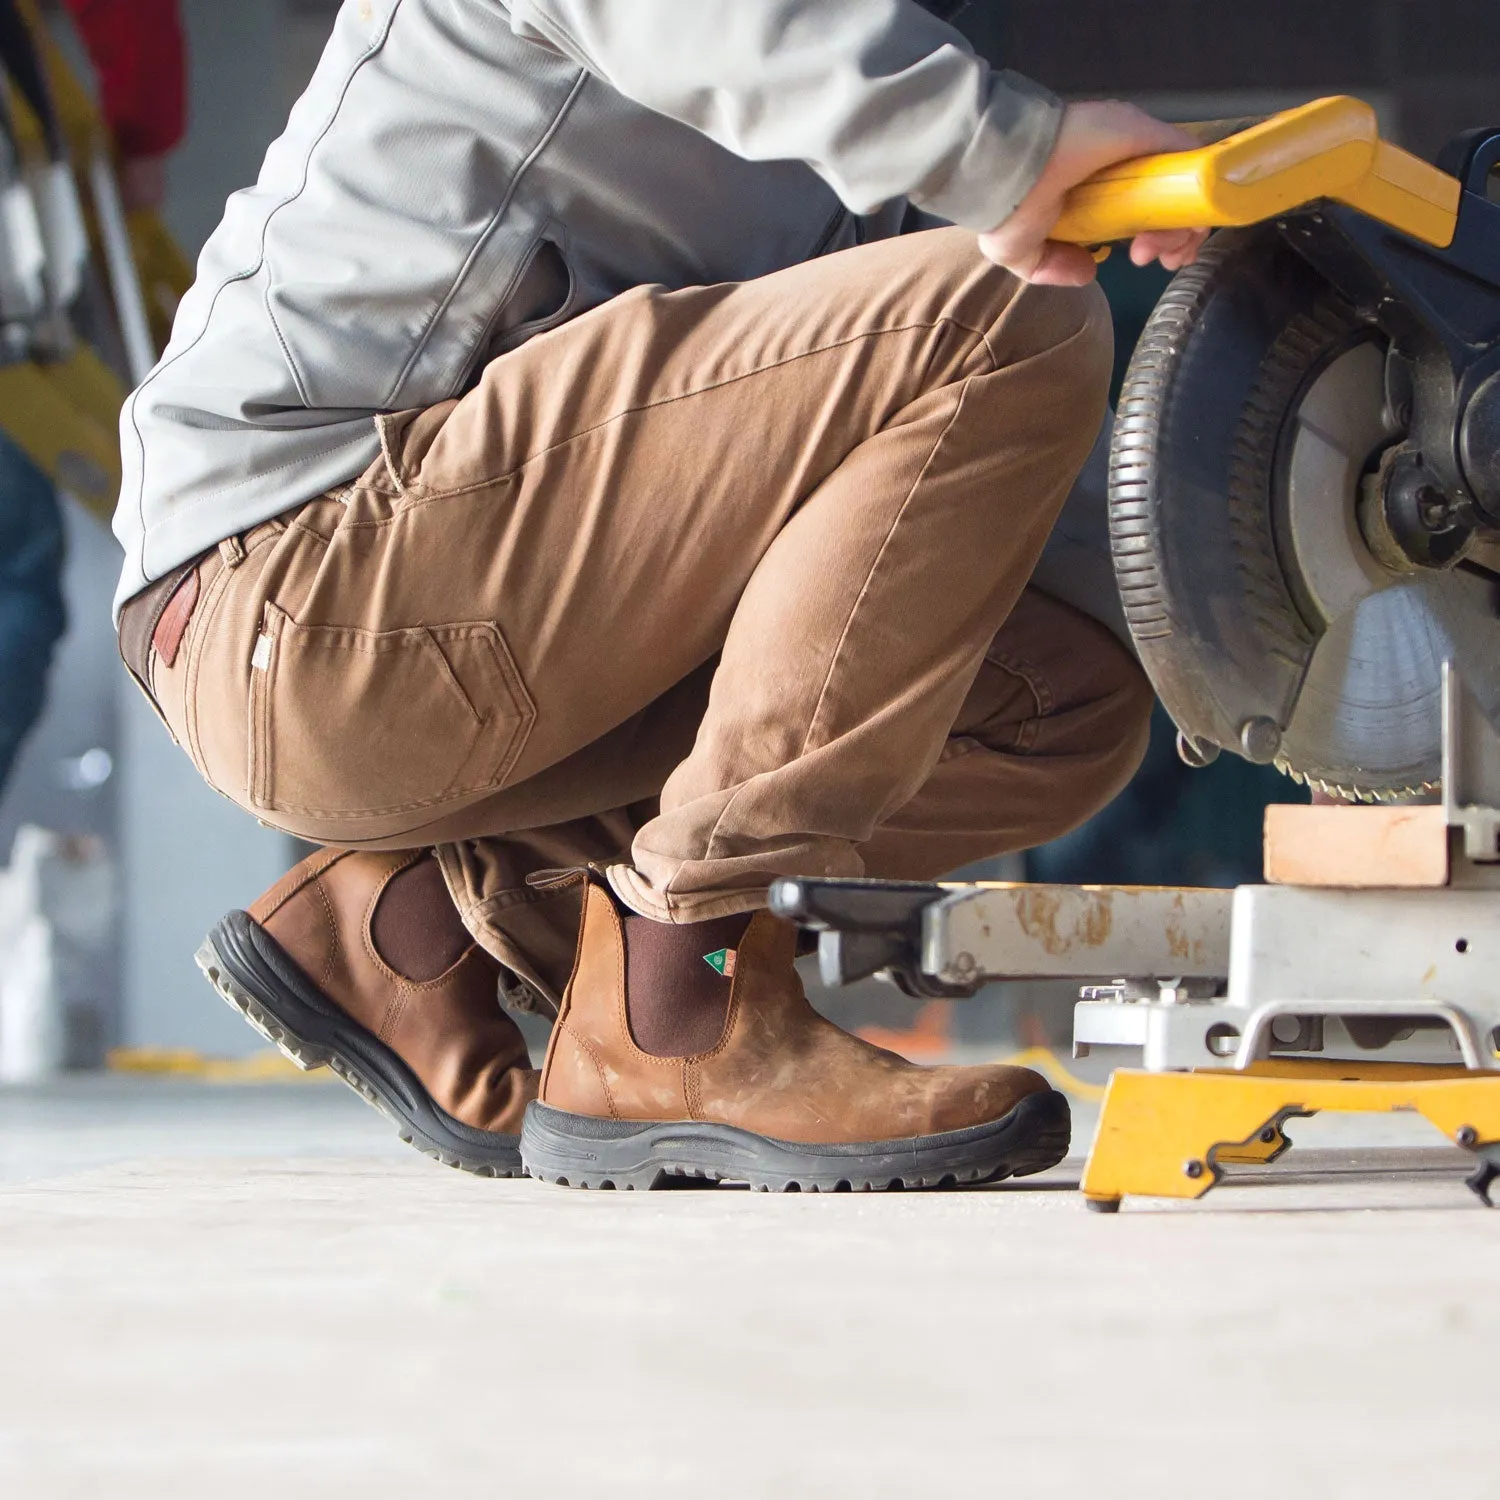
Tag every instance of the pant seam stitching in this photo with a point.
(415, 495)
(880, 555)
(1041, 695)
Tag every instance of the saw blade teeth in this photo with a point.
(1365, 795)
(1289, 770)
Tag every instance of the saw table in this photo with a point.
(1366, 987)
(1304, 516)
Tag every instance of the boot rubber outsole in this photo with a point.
(254, 974)
(585, 1152)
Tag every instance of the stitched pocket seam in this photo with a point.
(508, 699)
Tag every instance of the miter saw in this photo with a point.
(1304, 518)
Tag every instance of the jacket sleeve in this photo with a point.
(879, 97)
(137, 49)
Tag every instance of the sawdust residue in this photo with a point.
(1062, 923)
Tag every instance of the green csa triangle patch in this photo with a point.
(721, 962)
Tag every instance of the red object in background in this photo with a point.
(138, 50)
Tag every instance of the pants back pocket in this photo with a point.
(360, 727)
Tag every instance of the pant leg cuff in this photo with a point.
(635, 891)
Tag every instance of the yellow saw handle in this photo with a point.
(1328, 149)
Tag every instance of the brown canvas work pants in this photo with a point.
(708, 586)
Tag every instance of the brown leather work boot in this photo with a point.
(359, 962)
(691, 1051)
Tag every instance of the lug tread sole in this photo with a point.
(653, 1156)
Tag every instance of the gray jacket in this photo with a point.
(461, 174)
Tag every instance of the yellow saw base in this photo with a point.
(1169, 1135)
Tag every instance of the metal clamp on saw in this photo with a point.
(1305, 525)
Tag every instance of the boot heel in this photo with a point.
(580, 1151)
(296, 1049)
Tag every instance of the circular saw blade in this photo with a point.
(1367, 723)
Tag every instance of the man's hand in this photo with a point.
(1093, 136)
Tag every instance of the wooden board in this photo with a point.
(1357, 848)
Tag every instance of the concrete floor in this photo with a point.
(258, 1292)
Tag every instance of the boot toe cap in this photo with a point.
(982, 1095)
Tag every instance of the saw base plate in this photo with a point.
(1170, 1135)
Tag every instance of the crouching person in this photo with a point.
(583, 486)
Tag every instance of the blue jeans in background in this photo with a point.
(32, 616)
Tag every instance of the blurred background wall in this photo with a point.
(101, 764)
(189, 855)
(1437, 62)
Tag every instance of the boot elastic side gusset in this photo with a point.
(678, 982)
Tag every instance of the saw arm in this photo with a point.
(1328, 150)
